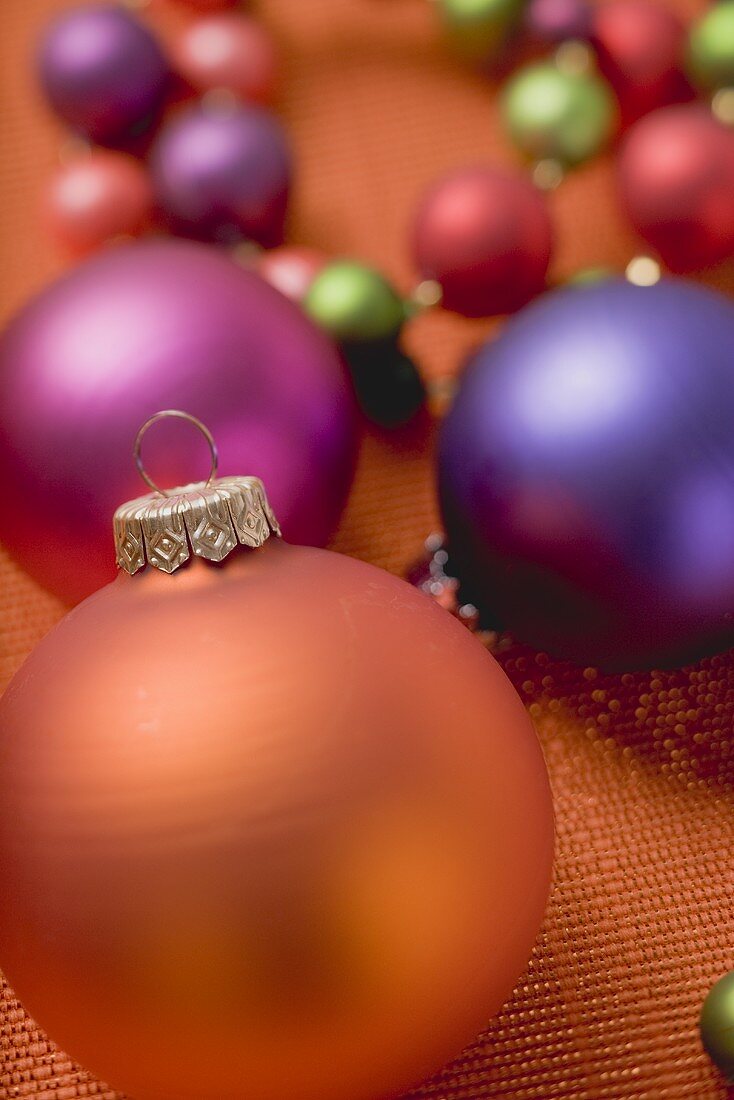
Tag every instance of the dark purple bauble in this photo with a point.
(587, 474)
(103, 72)
(222, 172)
(150, 326)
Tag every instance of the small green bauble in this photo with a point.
(558, 115)
(711, 48)
(591, 276)
(353, 302)
(717, 1024)
(479, 28)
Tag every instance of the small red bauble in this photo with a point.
(676, 178)
(485, 236)
(641, 48)
(97, 198)
(227, 50)
(291, 269)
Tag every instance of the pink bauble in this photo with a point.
(96, 198)
(146, 326)
(485, 235)
(278, 829)
(227, 50)
(676, 179)
(641, 47)
(291, 269)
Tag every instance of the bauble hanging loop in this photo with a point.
(208, 517)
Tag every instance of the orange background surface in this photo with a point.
(641, 919)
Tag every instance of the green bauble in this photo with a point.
(479, 28)
(717, 1024)
(711, 48)
(552, 114)
(352, 302)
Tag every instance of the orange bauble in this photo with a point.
(277, 829)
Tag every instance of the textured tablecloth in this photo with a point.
(641, 919)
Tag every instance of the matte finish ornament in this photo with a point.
(353, 302)
(97, 198)
(640, 47)
(270, 866)
(559, 115)
(227, 50)
(586, 474)
(676, 181)
(711, 48)
(222, 171)
(480, 28)
(717, 1024)
(103, 72)
(148, 326)
(485, 236)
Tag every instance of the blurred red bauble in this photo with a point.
(240, 863)
(209, 5)
(640, 47)
(676, 179)
(485, 236)
(227, 50)
(291, 269)
(96, 198)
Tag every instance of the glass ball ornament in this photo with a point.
(103, 72)
(221, 172)
(479, 28)
(485, 236)
(227, 50)
(557, 113)
(640, 49)
(711, 48)
(675, 174)
(145, 325)
(716, 1024)
(270, 867)
(96, 198)
(353, 302)
(584, 473)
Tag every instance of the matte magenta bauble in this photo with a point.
(277, 830)
(148, 326)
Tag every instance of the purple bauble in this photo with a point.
(551, 22)
(222, 172)
(149, 326)
(587, 474)
(103, 72)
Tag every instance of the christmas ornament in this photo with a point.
(353, 302)
(640, 46)
(485, 236)
(96, 198)
(555, 21)
(479, 28)
(554, 112)
(676, 180)
(142, 325)
(717, 1024)
(227, 50)
(711, 48)
(222, 172)
(210, 5)
(291, 269)
(270, 867)
(585, 474)
(103, 72)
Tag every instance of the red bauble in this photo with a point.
(291, 269)
(96, 198)
(641, 51)
(227, 50)
(278, 828)
(676, 177)
(485, 236)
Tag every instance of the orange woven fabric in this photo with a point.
(641, 919)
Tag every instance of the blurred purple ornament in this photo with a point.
(144, 327)
(555, 21)
(587, 474)
(103, 72)
(222, 172)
